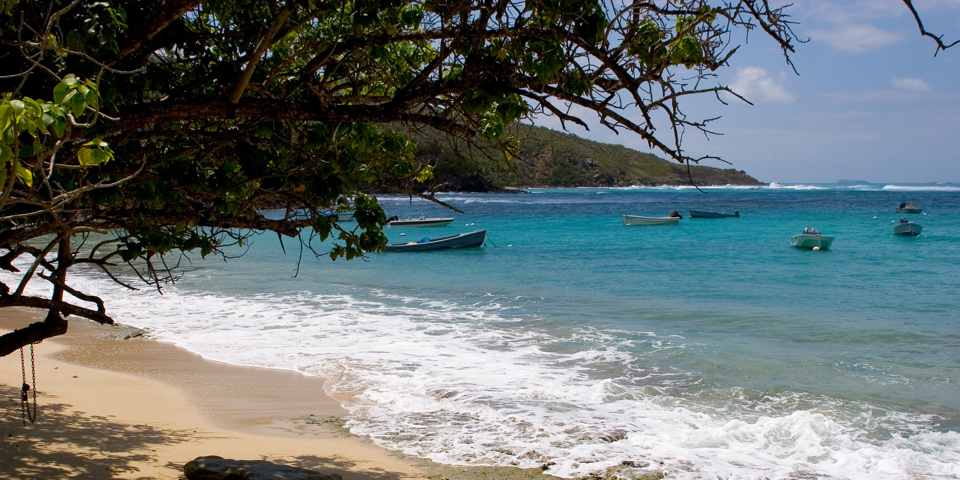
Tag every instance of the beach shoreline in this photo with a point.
(138, 408)
(115, 405)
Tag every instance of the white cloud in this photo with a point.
(756, 85)
(855, 38)
(911, 84)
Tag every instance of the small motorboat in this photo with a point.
(341, 216)
(812, 239)
(635, 220)
(419, 222)
(908, 208)
(907, 229)
(461, 240)
(303, 213)
(703, 214)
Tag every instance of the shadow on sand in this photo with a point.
(65, 444)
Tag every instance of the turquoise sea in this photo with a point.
(708, 349)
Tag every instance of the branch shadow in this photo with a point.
(65, 444)
(342, 466)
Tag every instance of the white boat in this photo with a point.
(634, 220)
(908, 229)
(341, 216)
(419, 222)
(811, 238)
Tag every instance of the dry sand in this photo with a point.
(138, 408)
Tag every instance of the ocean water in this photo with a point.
(708, 349)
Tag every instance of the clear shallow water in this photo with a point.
(707, 349)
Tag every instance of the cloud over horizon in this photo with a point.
(757, 86)
(911, 84)
(856, 38)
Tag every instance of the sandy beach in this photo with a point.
(137, 408)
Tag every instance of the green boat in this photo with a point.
(811, 239)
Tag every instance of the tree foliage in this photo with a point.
(134, 131)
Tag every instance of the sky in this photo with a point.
(870, 101)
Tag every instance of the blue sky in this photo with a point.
(871, 102)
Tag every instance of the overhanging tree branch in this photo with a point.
(923, 31)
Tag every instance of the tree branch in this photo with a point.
(925, 33)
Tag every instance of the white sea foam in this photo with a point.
(460, 385)
(922, 188)
(798, 186)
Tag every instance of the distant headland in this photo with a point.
(547, 158)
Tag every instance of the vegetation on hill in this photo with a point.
(548, 158)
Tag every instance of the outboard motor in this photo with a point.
(675, 214)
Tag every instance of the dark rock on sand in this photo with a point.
(217, 468)
(122, 332)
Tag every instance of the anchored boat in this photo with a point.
(419, 222)
(907, 229)
(812, 239)
(704, 214)
(635, 220)
(462, 240)
(908, 208)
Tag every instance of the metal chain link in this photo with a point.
(26, 413)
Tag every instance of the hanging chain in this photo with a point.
(26, 412)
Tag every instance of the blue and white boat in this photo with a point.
(461, 240)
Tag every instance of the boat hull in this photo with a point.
(463, 240)
(342, 217)
(421, 222)
(635, 220)
(806, 240)
(703, 214)
(909, 210)
(909, 229)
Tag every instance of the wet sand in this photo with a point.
(137, 408)
(112, 407)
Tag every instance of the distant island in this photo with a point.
(847, 181)
(548, 158)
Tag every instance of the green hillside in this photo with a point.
(548, 158)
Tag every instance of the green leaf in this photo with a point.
(67, 97)
(77, 104)
(426, 173)
(59, 126)
(60, 91)
(32, 107)
(100, 156)
(26, 124)
(70, 80)
(25, 174)
(6, 116)
(17, 107)
(74, 40)
(5, 155)
(84, 156)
